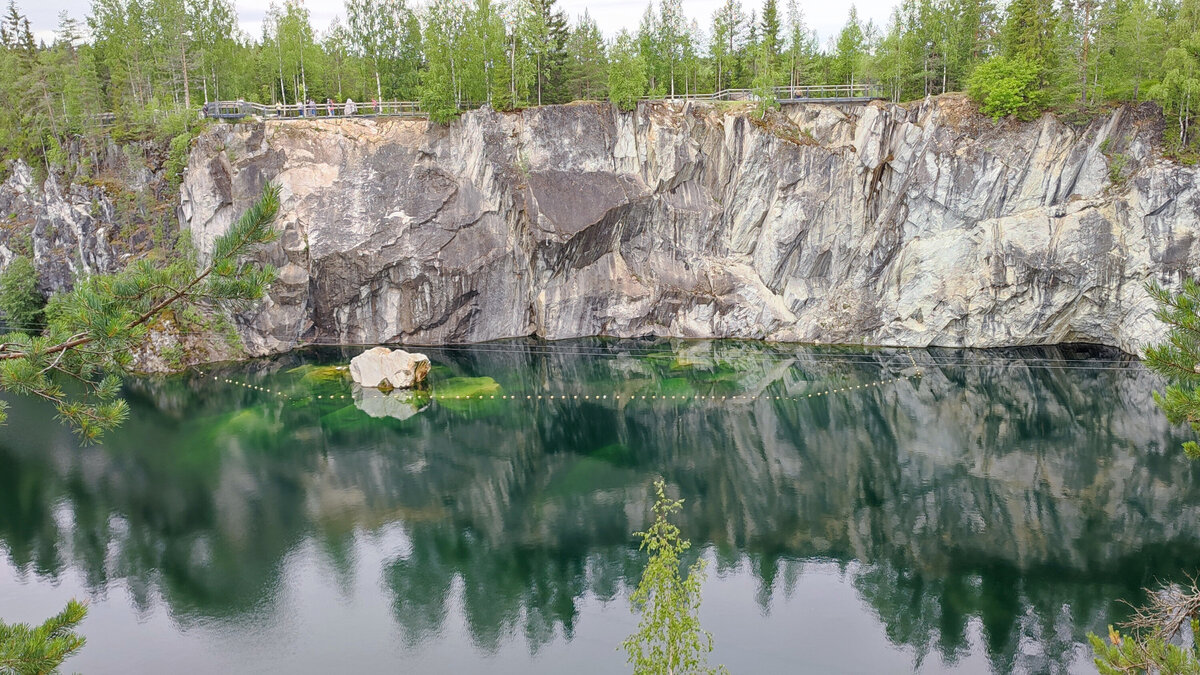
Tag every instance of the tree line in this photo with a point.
(142, 59)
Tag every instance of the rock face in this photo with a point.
(67, 232)
(881, 224)
(381, 367)
(117, 208)
(93, 222)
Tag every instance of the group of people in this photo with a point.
(309, 108)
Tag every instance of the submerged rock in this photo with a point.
(382, 368)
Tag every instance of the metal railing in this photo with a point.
(820, 93)
(234, 110)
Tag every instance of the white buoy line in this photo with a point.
(602, 397)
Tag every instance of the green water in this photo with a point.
(252, 518)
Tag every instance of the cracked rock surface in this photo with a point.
(880, 224)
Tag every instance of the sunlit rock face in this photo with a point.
(919, 225)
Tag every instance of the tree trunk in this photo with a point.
(187, 91)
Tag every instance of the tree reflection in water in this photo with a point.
(1014, 490)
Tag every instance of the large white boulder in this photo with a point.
(381, 367)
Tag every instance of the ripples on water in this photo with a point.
(984, 516)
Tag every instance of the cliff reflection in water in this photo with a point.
(1021, 491)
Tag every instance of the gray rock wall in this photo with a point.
(879, 224)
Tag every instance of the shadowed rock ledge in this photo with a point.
(879, 224)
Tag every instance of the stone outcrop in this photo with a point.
(67, 232)
(382, 368)
(117, 207)
(881, 224)
(93, 222)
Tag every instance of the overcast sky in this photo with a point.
(612, 15)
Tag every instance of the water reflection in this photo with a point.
(1025, 492)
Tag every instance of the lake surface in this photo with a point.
(983, 516)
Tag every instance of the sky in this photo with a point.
(825, 16)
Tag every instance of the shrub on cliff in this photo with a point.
(20, 303)
(177, 155)
(1007, 86)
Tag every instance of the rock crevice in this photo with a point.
(881, 224)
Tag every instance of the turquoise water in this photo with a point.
(253, 518)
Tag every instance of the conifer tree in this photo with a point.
(588, 68)
(771, 27)
(1178, 359)
(1031, 33)
(553, 69)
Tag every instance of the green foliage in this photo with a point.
(587, 68)
(20, 302)
(177, 156)
(764, 84)
(437, 95)
(1134, 655)
(1178, 359)
(1007, 86)
(151, 62)
(92, 331)
(1179, 89)
(669, 639)
(1161, 635)
(1116, 168)
(40, 650)
(847, 60)
(626, 74)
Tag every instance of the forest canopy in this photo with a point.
(144, 60)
